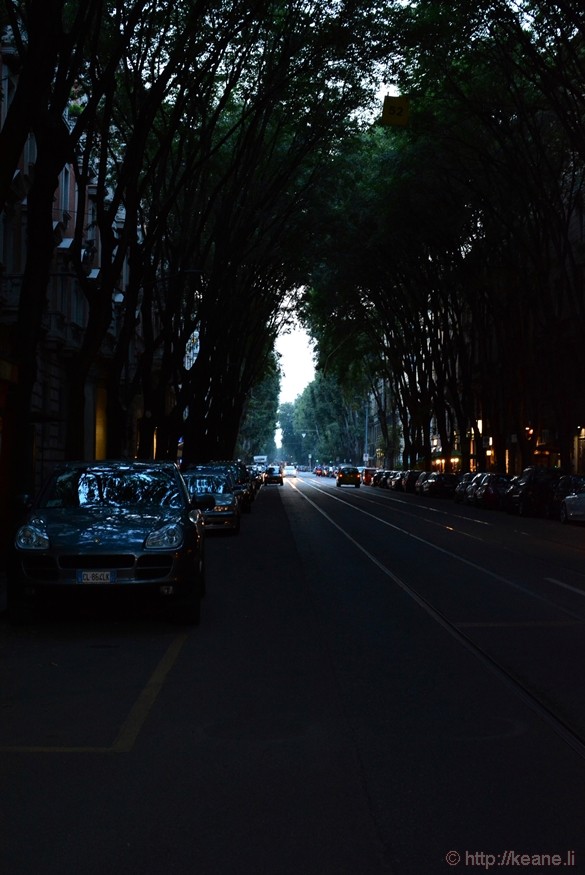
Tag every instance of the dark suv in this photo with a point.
(531, 493)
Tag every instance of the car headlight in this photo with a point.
(169, 537)
(32, 536)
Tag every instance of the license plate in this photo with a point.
(96, 577)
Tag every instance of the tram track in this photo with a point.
(572, 736)
(480, 569)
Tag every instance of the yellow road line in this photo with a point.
(135, 720)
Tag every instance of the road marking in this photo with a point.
(445, 552)
(137, 716)
(565, 585)
(563, 730)
(518, 624)
(392, 498)
(135, 720)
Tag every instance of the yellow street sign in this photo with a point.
(396, 111)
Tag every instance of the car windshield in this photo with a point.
(113, 486)
(205, 485)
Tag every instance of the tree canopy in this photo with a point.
(201, 131)
(454, 252)
(239, 170)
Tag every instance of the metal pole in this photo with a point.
(366, 454)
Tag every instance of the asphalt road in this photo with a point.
(379, 684)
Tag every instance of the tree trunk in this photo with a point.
(32, 305)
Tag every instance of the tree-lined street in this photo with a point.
(205, 174)
(378, 681)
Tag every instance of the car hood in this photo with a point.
(223, 497)
(102, 528)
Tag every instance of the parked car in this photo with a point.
(368, 475)
(215, 470)
(420, 480)
(491, 491)
(243, 485)
(567, 485)
(348, 475)
(273, 474)
(102, 531)
(394, 481)
(225, 513)
(572, 508)
(408, 480)
(255, 472)
(469, 496)
(379, 476)
(531, 493)
(464, 481)
(440, 485)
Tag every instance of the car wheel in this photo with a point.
(338, 484)
(357, 486)
(564, 517)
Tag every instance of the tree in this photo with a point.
(256, 436)
(452, 244)
(327, 421)
(58, 43)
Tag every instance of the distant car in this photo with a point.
(225, 513)
(103, 531)
(394, 481)
(273, 474)
(408, 480)
(255, 474)
(440, 485)
(567, 485)
(243, 483)
(420, 480)
(367, 475)
(573, 506)
(289, 471)
(531, 493)
(461, 488)
(347, 475)
(469, 496)
(490, 492)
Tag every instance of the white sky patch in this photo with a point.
(296, 361)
